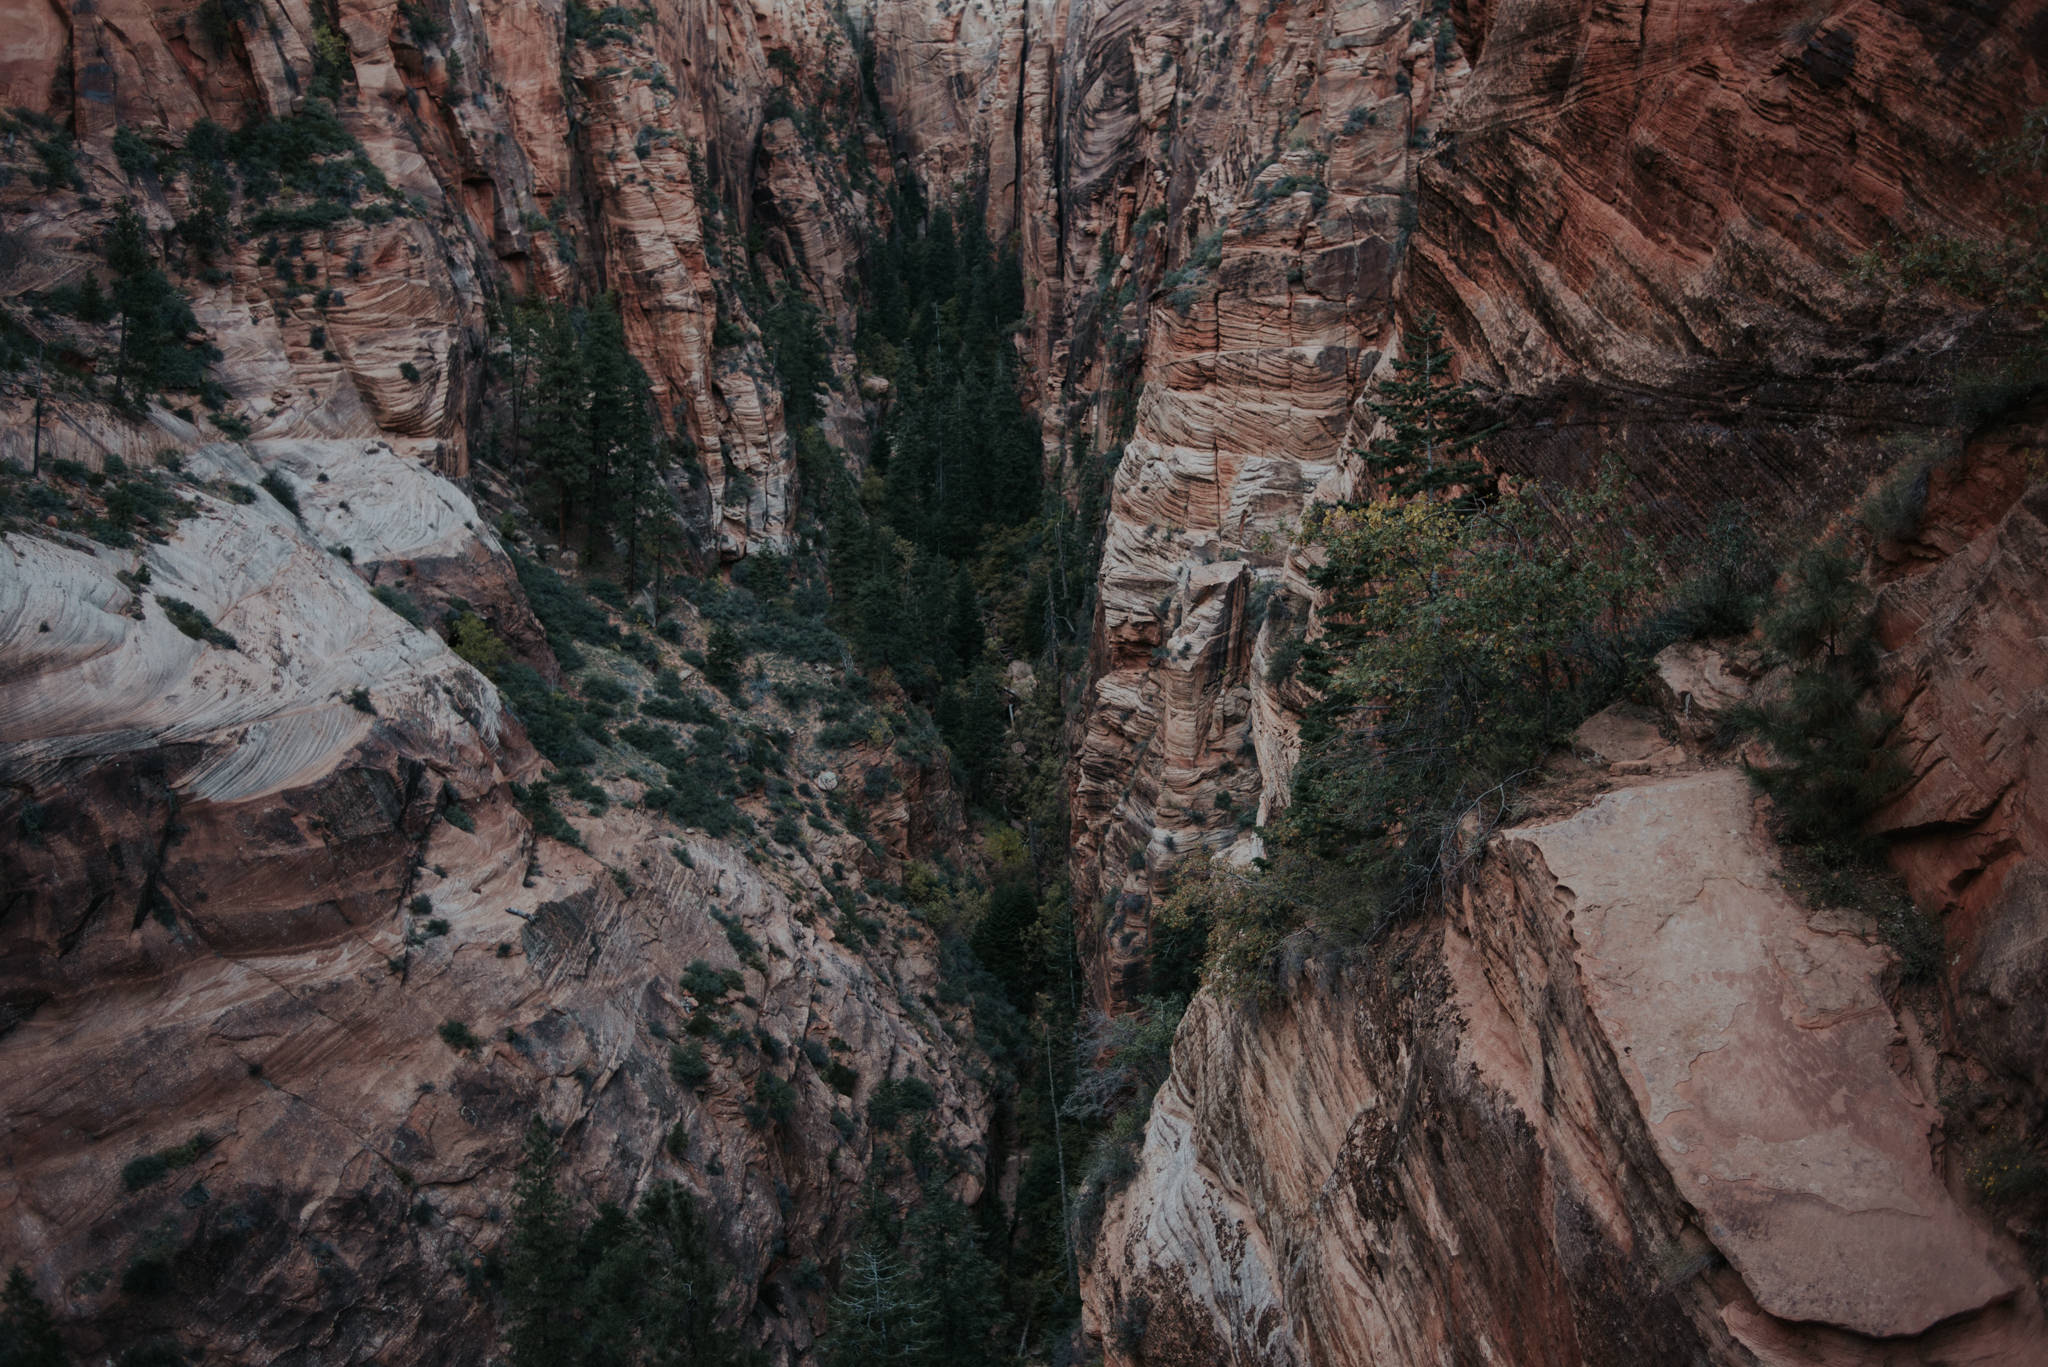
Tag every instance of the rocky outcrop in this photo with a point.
(562, 158)
(1968, 829)
(1631, 271)
(267, 886)
(1646, 230)
(1630, 1101)
(1632, 1090)
(1265, 159)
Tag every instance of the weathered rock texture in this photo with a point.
(1969, 830)
(214, 853)
(1634, 1093)
(213, 925)
(1631, 1102)
(1641, 230)
(1520, 1144)
(635, 157)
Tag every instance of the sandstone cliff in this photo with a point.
(1631, 1102)
(271, 908)
(1634, 1099)
(1642, 234)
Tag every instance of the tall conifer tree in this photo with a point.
(1430, 418)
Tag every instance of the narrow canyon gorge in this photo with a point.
(1286, 682)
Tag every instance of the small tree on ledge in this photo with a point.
(1427, 447)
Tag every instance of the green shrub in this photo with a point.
(458, 1036)
(152, 1167)
(400, 602)
(536, 802)
(1894, 512)
(895, 1098)
(1727, 587)
(708, 984)
(687, 1064)
(549, 715)
(134, 155)
(1460, 647)
(194, 623)
(775, 1102)
(59, 166)
(1829, 769)
(691, 710)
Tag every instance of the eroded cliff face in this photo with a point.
(1629, 1102)
(267, 889)
(1639, 228)
(1634, 1099)
(527, 154)
(1642, 234)
(271, 900)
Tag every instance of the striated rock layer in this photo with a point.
(1642, 232)
(1630, 1102)
(269, 904)
(1632, 1099)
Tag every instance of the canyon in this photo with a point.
(285, 905)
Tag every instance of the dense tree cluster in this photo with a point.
(956, 464)
(916, 1290)
(583, 419)
(617, 1290)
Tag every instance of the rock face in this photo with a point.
(632, 157)
(1969, 830)
(1631, 1102)
(1263, 158)
(268, 891)
(1612, 214)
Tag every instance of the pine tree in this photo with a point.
(683, 1287)
(28, 1336)
(639, 487)
(620, 427)
(945, 1253)
(541, 1282)
(561, 414)
(93, 305)
(526, 332)
(1429, 416)
(723, 656)
(882, 1313)
(154, 317)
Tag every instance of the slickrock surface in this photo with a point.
(1634, 1103)
(211, 927)
(405, 529)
